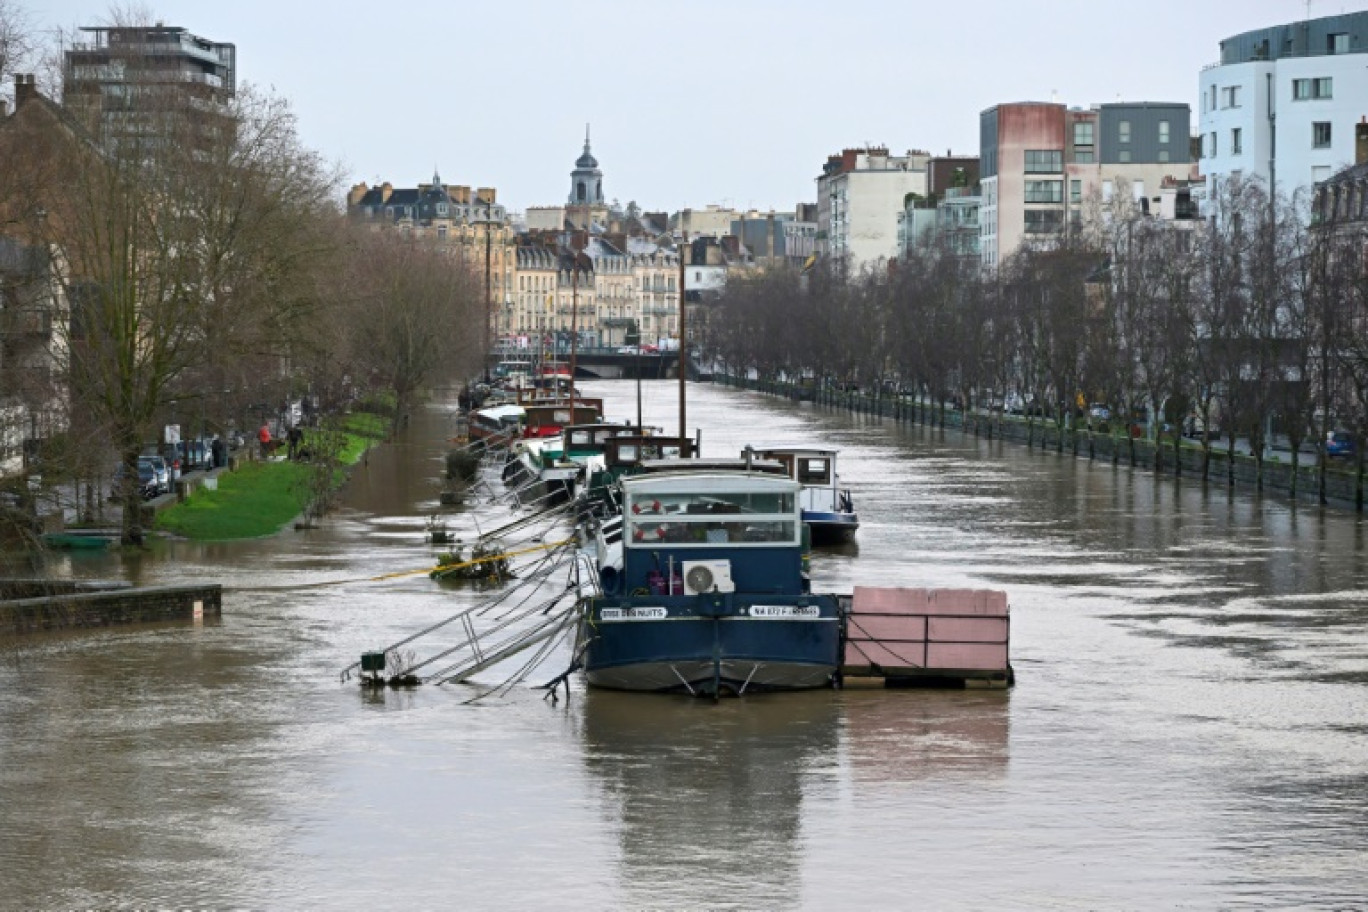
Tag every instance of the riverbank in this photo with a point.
(262, 496)
(1344, 486)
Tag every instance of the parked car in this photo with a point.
(1099, 411)
(193, 453)
(162, 470)
(175, 461)
(148, 484)
(1339, 445)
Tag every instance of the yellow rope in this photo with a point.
(471, 563)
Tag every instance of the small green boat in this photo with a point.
(75, 540)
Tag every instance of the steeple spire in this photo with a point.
(586, 181)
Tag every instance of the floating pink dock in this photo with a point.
(897, 636)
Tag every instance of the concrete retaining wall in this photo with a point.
(111, 607)
(1341, 484)
(37, 587)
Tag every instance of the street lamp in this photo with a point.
(489, 307)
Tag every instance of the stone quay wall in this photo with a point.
(109, 607)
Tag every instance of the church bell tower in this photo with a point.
(586, 181)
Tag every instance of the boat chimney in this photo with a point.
(749, 453)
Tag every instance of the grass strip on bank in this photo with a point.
(256, 500)
(363, 430)
(261, 497)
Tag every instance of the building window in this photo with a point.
(1163, 156)
(1043, 221)
(1337, 43)
(1123, 131)
(1075, 191)
(1083, 134)
(1320, 134)
(1230, 97)
(1163, 132)
(1124, 156)
(1044, 191)
(1044, 161)
(1211, 151)
(1211, 99)
(1306, 89)
(1236, 141)
(1085, 157)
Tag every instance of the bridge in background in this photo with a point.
(613, 364)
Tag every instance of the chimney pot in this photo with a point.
(24, 89)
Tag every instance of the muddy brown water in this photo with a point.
(1189, 729)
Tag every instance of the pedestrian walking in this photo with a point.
(264, 438)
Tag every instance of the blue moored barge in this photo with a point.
(700, 587)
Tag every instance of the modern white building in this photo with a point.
(860, 197)
(1283, 101)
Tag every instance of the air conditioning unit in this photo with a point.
(707, 576)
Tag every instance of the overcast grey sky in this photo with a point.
(691, 103)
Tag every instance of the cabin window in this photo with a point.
(581, 438)
(814, 471)
(627, 453)
(711, 518)
(561, 416)
(694, 504)
(714, 532)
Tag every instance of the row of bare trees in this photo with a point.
(1250, 321)
(203, 274)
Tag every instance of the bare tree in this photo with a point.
(413, 311)
(17, 44)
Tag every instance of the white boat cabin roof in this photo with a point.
(805, 450)
(702, 482)
(696, 466)
(502, 411)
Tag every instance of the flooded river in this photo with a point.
(1189, 728)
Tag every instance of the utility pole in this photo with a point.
(574, 307)
(683, 352)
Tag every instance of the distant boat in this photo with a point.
(496, 426)
(827, 508)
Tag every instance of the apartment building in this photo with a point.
(860, 196)
(121, 81)
(1041, 164)
(471, 224)
(1282, 102)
